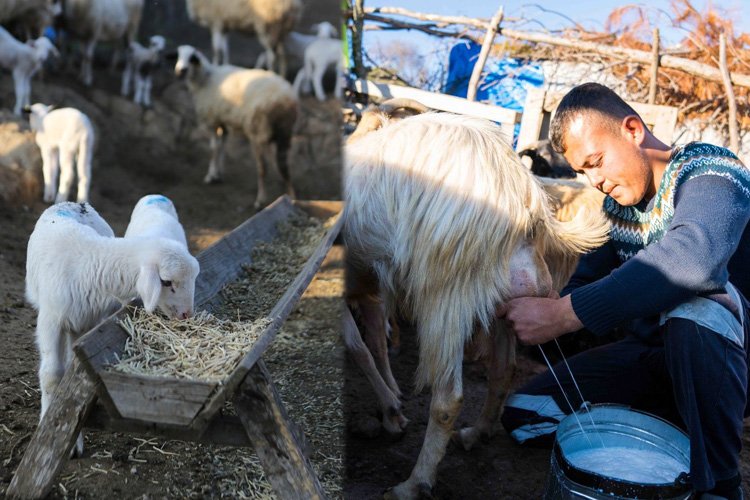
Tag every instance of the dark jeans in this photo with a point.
(696, 378)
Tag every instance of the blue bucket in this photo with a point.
(617, 427)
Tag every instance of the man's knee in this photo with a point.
(531, 419)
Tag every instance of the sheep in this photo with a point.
(256, 102)
(296, 43)
(28, 18)
(101, 20)
(270, 20)
(63, 135)
(155, 216)
(23, 60)
(546, 162)
(78, 273)
(141, 63)
(441, 215)
(319, 55)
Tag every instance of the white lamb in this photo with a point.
(256, 102)
(270, 20)
(77, 274)
(92, 21)
(155, 216)
(319, 56)
(64, 135)
(141, 63)
(23, 60)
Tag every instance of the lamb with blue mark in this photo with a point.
(75, 289)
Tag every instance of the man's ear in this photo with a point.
(634, 129)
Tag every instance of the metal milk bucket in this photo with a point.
(615, 426)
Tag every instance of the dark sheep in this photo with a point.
(546, 162)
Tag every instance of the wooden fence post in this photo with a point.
(358, 16)
(734, 138)
(471, 94)
(654, 68)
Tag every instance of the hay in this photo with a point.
(202, 347)
(207, 347)
(273, 267)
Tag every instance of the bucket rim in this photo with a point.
(621, 487)
(589, 479)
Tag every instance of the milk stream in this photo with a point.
(565, 395)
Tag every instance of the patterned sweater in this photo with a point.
(687, 240)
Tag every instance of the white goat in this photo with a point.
(270, 20)
(101, 20)
(256, 102)
(442, 216)
(319, 56)
(77, 274)
(65, 136)
(155, 216)
(141, 63)
(23, 60)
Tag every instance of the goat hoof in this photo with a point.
(403, 491)
(424, 491)
(210, 179)
(466, 438)
(77, 450)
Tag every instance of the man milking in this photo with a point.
(674, 275)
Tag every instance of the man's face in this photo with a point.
(611, 159)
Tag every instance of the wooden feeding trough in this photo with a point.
(187, 409)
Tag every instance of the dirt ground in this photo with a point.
(162, 150)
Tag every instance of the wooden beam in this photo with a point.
(278, 447)
(734, 137)
(666, 61)
(442, 21)
(654, 68)
(358, 18)
(54, 436)
(507, 118)
(476, 73)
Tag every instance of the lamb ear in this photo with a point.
(149, 286)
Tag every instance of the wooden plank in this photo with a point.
(531, 120)
(539, 104)
(156, 399)
(507, 118)
(662, 120)
(278, 315)
(223, 261)
(267, 425)
(54, 437)
(224, 430)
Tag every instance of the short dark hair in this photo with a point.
(587, 98)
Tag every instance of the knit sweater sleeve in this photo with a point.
(691, 258)
(592, 266)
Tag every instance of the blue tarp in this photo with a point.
(505, 81)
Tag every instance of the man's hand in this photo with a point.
(537, 320)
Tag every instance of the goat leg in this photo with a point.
(501, 372)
